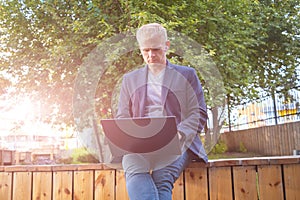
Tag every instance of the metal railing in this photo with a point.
(267, 111)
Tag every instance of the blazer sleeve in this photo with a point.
(195, 115)
(124, 104)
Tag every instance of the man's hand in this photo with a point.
(181, 136)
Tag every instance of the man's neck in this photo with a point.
(155, 69)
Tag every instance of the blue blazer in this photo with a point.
(182, 97)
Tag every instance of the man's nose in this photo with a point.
(151, 52)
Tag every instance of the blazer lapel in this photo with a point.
(167, 82)
(142, 91)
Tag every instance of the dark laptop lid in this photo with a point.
(142, 135)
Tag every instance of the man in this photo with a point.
(161, 89)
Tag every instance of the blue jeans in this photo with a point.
(152, 177)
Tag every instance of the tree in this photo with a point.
(254, 45)
(278, 54)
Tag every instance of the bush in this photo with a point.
(242, 148)
(83, 156)
(87, 158)
(64, 160)
(220, 147)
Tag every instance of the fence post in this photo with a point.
(229, 116)
(275, 109)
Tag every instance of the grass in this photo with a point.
(215, 156)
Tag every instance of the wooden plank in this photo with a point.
(28, 168)
(62, 185)
(283, 160)
(292, 181)
(268, 142)
(244, 181)
(22, 185)
(224, 162)
(293, 137)
(244, 141)
(287, 145)
(256, 141)
(77, 167)
(5, 185)
(178, 190)
(250, 161)
(196, 184)
(42, 185)
(281, 140)
(277, 141)
(121, 191)
(260, 141)
(270, 182)
(105, 184)
(7, 157)
(83, 185)
(296, 136)
(220, 183)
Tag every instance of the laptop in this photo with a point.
(145, 135)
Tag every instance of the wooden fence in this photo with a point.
(7, 156)
(275, 178)
(277, 140)
(12, 157)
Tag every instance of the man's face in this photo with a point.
(154, 51)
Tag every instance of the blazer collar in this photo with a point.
(167, 82)
(144, 74)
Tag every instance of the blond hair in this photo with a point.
(151, 31)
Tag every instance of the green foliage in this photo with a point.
(254, 44)
(219, 148)
(65, 160)
(242, 148)
(82, 156)
(87, 158)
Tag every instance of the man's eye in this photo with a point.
(147, 50)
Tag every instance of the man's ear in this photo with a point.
(167, 45)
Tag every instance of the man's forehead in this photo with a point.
(152, 43)
(152, 47)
